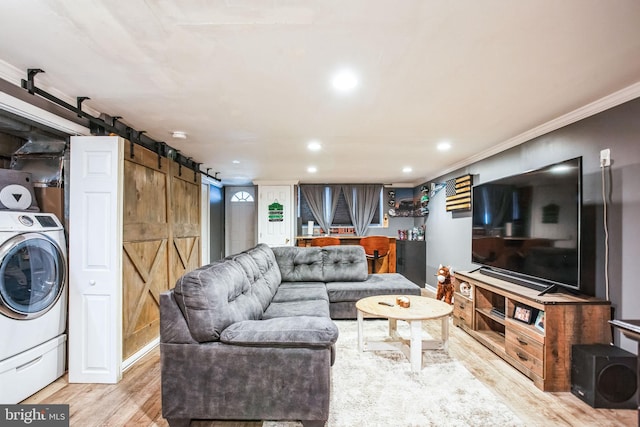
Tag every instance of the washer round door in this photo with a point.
(32, 276)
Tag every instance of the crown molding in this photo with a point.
(613, 100)
(11, 74)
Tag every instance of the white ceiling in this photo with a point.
(248, 80)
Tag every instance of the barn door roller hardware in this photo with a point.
(105, 125)
(30, 84)
(195, 175)
(79, 101)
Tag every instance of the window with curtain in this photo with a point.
(341, 217)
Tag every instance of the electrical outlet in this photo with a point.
(605, 157)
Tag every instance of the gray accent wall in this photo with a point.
(449, 235)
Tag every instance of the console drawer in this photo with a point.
(521, 342)
(462, 311)
(525, 350)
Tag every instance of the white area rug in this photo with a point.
(378, 389)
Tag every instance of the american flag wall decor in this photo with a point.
(458, 192)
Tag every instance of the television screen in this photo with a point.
(527, 226)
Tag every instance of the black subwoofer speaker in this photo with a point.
(604, 376)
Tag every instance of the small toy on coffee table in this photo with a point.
(445, 286)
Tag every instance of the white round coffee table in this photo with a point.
(420, 309)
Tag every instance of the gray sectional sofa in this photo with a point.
(251, 337)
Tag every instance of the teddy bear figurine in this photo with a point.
(445, 286)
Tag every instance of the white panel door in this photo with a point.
(240, 219)
(95, 259)
(276, 215)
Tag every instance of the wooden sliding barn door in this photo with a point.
(185, 222)
(145, 248)
(161, 240)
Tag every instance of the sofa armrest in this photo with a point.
(173, 326)
(299, 331)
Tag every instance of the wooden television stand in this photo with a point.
(541, 353)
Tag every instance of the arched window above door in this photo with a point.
(242, 196)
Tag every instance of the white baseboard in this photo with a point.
(126, 364)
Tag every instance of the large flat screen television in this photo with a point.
(526, 227)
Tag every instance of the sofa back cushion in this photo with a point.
(299, 264)
(346, 263)
(266, 260)
(215, 296)
(261, 269)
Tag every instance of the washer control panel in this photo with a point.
(13, 221)
(25, 220)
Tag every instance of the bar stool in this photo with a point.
(375, 247)
(325, 241)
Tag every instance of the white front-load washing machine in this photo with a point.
(33, 303)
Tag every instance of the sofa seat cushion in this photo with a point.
(302, 331)
(317, 307)
(303, 291)
(376, 284)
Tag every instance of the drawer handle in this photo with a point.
(462, 306)
(522, 356)
(28, 364)
(521, 341)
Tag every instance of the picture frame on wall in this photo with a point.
(523, 313)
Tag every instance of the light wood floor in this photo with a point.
(135, 401)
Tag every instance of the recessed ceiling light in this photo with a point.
(312, 169)
(407, 169)
(344, 81)
(178, 134)
(444, 146)
(235, 162)
(314, 146)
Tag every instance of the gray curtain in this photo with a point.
(335, 195)
(314, 194)
(362, 200)
(316, 197)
